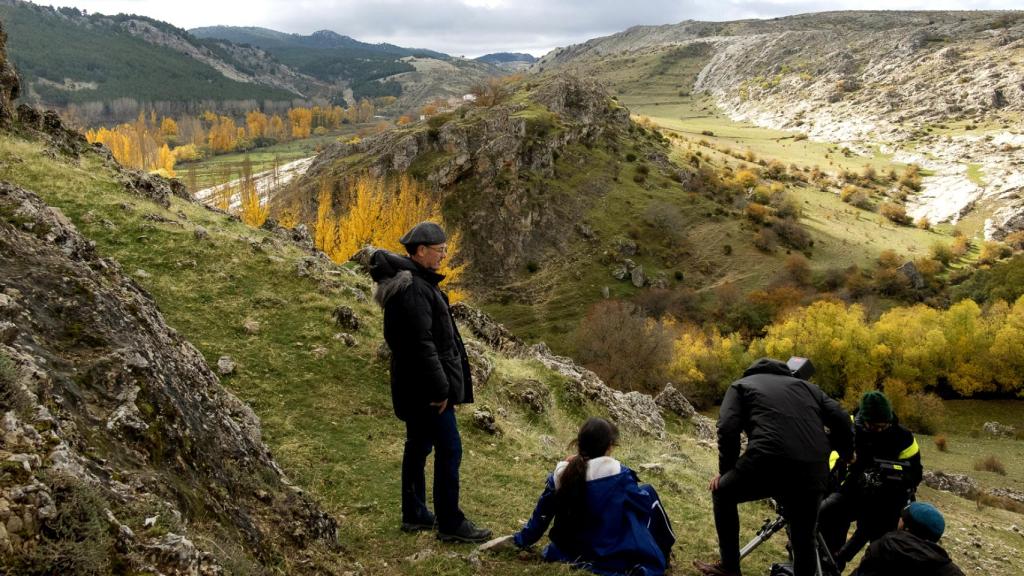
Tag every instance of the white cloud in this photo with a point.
(475, 27)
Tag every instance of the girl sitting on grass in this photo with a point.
(605, 521)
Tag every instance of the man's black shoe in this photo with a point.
(466, 532)
(424, 525)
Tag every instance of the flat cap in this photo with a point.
(424, 233)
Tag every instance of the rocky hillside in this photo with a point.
(494, 166)
(121, 450)
(940, 89)
(509, 60)
(362, 70)
(123, 453)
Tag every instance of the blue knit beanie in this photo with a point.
(924, 520)
(875, 407)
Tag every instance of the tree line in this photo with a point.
(154, 143)
(911, 352)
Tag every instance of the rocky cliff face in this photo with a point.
(119, 449)
(100, 397)
(863, 79)
(489, 163)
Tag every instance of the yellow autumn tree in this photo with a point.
(325, 229)
(256, 124)
(167, 160)
(301, 122)
(169, 127)
(378, 213)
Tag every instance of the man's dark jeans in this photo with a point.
(423, 432)
(799, 502)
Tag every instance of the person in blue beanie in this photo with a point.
(605, 521)
(913, 548)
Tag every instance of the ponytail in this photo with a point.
(595, 438)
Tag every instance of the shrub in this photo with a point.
(765, 240)
(745, 179)
(923, 223)
(798, 269)
(668, 221)
(799, 136)
(630, 157)
(76, 540)
(894, 212)
(758, 213)
(923, 413)
(1015, 240)
(707, 133)
(911, 177)
(792, 233)
(639, 178)
(960, 246)
(889, 259)
(941, 443)
(643, 169)
(992, 251)
(869, 174)
(942, 252)
(626, 349)
(855, 196)
(990, 464)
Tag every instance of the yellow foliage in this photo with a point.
(169, 127)
(379, 212)
(254, 209)
(301, 122)
(325, 229)
(167, 160)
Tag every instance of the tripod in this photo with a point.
(826, 565)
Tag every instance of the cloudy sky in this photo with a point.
(475, 27)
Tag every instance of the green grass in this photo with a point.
(328, 420)
(226, 167)
(975, 175)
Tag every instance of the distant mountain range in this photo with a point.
(68, 57)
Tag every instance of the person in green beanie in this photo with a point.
(881, 480)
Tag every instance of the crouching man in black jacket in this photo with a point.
(911, 549)
(429, 376)
(785, 419)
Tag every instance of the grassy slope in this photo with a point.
(328, 420)
(226, 167)
(658, 83)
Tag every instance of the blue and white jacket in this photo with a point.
(617, 539)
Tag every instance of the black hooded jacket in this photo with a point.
(428, 359)
(785, 420)
(902, 553)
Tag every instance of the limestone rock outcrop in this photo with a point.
(110, 416)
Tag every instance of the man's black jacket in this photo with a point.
(428, 358)
(785, 420)
(894, 443)
(902, 553)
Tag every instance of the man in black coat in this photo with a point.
(873, 492)
(429, 376)
(785, 419)
(911, 549)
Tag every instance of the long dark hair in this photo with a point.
(596, 436)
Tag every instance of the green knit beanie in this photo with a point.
(875, 407)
